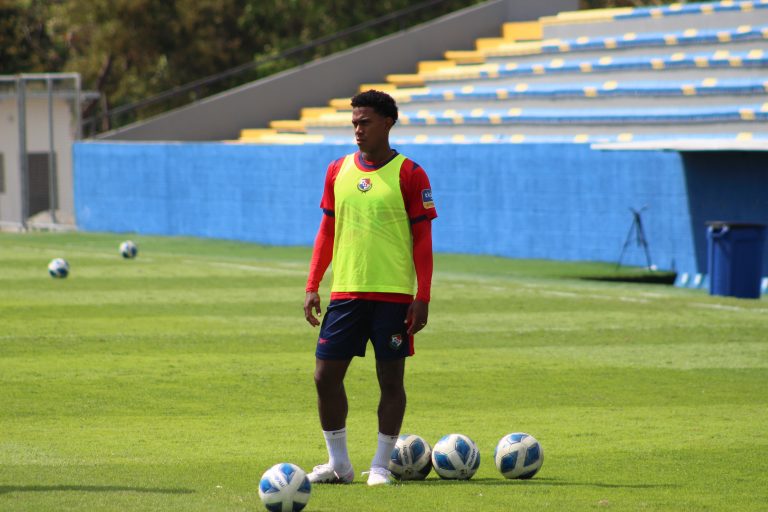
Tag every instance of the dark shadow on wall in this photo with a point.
(727, 186)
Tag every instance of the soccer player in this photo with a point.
(376, 227)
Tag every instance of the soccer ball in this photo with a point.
(455, 457)
(284, 488)
(128, 249)
(58, 268)
(411, 458)
(518, 455)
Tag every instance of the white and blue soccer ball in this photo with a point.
(411, 458)
(58, 268)
(455, 457)
(518, 455)
(128, 249)
(284, 488)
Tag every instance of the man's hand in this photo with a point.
(416, 317)
(312, 301)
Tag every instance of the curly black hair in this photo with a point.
(381, 103)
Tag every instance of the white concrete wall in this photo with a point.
(37, 142)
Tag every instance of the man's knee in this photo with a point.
(390, 375)
(329, 375)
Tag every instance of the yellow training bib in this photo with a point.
(373, 245)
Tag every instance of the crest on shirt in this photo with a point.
(395, 341)
(364, 185)
(426, 198)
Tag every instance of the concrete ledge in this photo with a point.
(686, 145)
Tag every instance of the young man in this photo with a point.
(376, 227)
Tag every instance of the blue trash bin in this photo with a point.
(735, 258)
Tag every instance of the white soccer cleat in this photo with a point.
(379, 476)
(325, 474)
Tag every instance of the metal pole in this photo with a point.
(52, 181)
(77, 109)
(23, 161)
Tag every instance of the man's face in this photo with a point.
(371, 129)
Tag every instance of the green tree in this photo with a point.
(26, 44)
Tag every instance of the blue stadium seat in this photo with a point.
(655, 62)
(520, 92)
(644, 40)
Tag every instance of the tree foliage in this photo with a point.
(26, 40)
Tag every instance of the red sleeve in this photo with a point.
(322, 253)
(417, 192)
(328, 201)
(422, 259)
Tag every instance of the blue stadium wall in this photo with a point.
(550, 201)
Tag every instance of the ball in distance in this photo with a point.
(455, 457)
(411, 458)
(284, 488)
(128, 249)
(58, 268)
(518, 455)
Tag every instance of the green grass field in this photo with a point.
(171, 382)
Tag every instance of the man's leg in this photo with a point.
(391, 412)
(392, 402)
(331, 396)
(332, 407)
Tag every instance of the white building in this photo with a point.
(39, 121)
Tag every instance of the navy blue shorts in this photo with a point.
(348, 324)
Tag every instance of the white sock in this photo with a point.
(336, 442)
(383, 451)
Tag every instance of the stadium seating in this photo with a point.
(694, 70)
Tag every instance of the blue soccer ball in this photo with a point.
(284, 488)
(518, 455)
(411, 458)
(58, 268)
(128, 249)
(456, 457)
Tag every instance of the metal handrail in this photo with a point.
(248, 66)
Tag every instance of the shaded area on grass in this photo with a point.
(635, 277)
(550, 269)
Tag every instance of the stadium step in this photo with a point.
(542, 121)
(632, 93)
(587, 44)
(739, 63)
(603, 22)
(561, 50)
(585, 137)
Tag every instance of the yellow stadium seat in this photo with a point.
(288, 125)
(465, 57)
(405, 80)
(586, 16)
(521, 31)
(385, 87)
(312, 112)
(488, 43)
(427, 66)
(256, 133)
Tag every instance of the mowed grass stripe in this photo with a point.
(172, 381)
